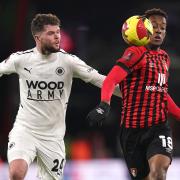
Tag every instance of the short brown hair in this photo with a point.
(40, 20)
(155, 11)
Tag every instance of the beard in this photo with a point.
(48, 49)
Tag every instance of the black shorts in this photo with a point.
(139, 145)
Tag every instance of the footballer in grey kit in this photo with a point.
(45, 79)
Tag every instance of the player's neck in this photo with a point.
(43, 52)
(153, 47)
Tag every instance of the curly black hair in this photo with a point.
(155, 11)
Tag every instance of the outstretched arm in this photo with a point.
(90, 75)
(97, 115)
(115, 76)
(7, 66)
(131, 60)
(173, 109)
(98, 81)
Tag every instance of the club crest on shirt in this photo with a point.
(133, 171)
(164, 63)
(60, 71)
(128, 56)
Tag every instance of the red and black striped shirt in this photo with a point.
(144, 90)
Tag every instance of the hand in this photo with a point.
(98, 114)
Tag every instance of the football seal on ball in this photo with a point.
(137, 30)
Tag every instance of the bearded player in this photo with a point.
(45, 77)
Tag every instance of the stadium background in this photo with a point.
(92, 31)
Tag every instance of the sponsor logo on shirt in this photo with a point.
(28, 70)
(44, 91)
(156, 88)
(161, 79)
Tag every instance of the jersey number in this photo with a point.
(166, 141)
(58, 166)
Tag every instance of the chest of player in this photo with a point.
(45, 71)
(155, 68)
(45, 80)
(43, 77)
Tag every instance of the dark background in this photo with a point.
(93, 29)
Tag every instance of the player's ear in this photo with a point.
(36, 38)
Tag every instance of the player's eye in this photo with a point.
(50, 33)
(58, 32)
(155, 26)
(163, 28)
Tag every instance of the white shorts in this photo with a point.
(49, 154)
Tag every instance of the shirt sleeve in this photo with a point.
(88, 74)
(132, 59)
(8, 65)
(173, 109)
(82, 70)
(115, 76)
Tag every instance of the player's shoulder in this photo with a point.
(61, 51)
(134, 52)
(139, 49)
(165, 55)
(21, 54)
(162, 51)
(68, 56)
